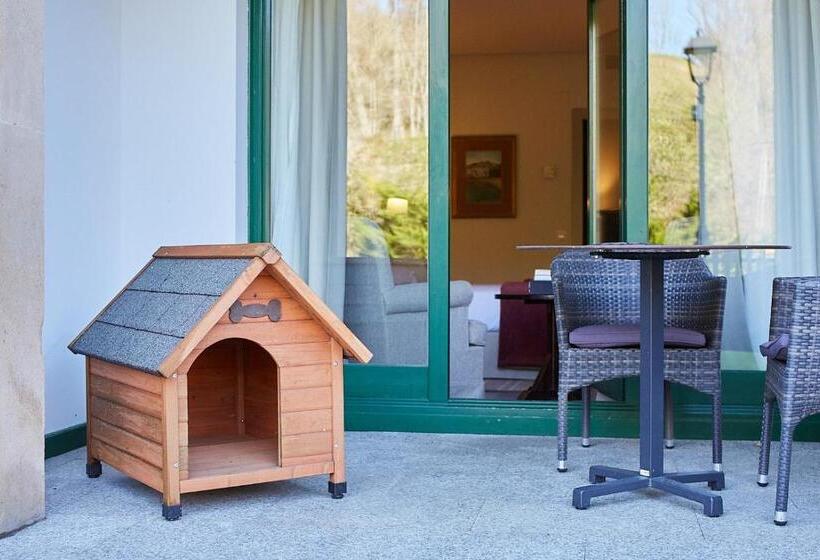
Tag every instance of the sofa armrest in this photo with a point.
(412, 298)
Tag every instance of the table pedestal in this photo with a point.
(651, 473)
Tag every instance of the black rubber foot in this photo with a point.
(763, 484)
(561, 470)
(93, 470)
(171, 513)
(586, 445)
(780, 523)
(337, 489)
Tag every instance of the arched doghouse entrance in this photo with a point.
(233, 409)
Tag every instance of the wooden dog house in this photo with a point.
(216, 366)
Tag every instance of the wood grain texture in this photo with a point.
(261, 396)
(129, 465)
(144, 449)
(335, 327)
(305, 445)
(337, 365)
(130, 420)
(170, 442)
(136, 399)
(312, 398)
(270, 474)
(218, 251)
(307, 421)
(127, 376)
(301, 377)
(268, 333)
(310, 353)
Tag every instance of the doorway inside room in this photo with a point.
(531, 82)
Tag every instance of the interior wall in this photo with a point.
(533, 97)
(144, 104)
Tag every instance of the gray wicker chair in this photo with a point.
(793, 380)
(595, 291)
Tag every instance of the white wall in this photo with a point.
(144, 101)
(22, 491)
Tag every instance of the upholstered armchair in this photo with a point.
(392, 319)
(597, 306)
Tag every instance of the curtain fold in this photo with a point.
(308, 141)
(797, 134)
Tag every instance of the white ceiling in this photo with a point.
(517, 26)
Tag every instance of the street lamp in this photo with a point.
(699, 53)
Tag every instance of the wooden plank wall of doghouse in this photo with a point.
(301, 348)
(125, 420)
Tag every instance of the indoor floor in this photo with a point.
(432, 496)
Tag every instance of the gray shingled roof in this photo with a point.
(143, 325)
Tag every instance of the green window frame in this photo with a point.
(410, 398)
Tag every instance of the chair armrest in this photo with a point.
(708, 310)
(796, 312)
(413, 298)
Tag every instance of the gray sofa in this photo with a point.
(391, 319)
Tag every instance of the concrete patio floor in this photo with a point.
(433, 496)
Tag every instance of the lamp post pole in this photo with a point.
(699, 52)
(698, 114)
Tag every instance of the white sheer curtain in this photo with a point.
(308, 141)
(797, 134)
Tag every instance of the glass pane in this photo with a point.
(386, 271)
(732, 163)
(605, 199)
(518, 120)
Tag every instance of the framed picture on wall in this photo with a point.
(482, 176)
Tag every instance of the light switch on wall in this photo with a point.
(549, 171)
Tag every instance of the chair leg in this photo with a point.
(562, 430)
(783, 472)
(717, 433)
(668, 416)
(586, 397)
(765, 443)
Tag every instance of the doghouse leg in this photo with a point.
(172, 513)
(93, 467)
(171, 503)
(337, 485)
(337, 489)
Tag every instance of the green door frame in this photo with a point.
(409, 398)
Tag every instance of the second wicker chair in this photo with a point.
(595, 291)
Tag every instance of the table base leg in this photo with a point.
(623, 480)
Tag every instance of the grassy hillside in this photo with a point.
(673, 157)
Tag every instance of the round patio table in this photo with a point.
(651, 473)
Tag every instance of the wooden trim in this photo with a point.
(204, 326)
(104, 309)
(338, 420)
(264, 250)
(240, 387)
(88, 438)
(170, 442)
(321, 312)
(253, 477)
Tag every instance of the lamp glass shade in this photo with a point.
(396, 205)
(699, 52)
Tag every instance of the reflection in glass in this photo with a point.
(386, 270)
(738, 156)
(605, 198)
